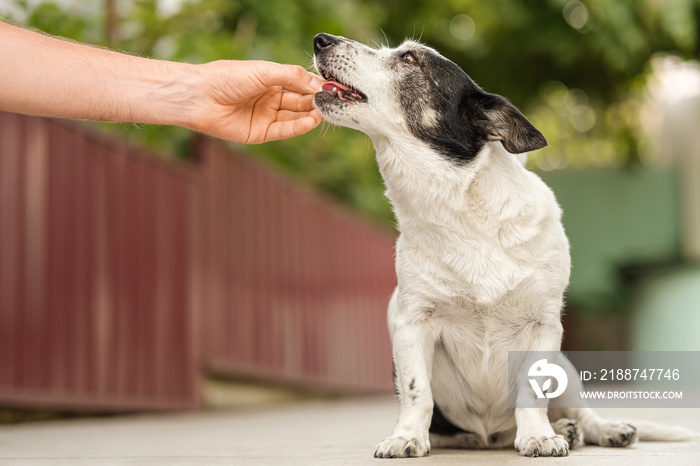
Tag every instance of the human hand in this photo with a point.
(256, 101)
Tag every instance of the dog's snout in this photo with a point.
(323, 40)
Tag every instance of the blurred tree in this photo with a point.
(111, 22)
(575, 66)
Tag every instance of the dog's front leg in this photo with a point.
(413, 344)
(535, 435)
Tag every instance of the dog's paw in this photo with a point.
(569, 429)
(542, 446)
(402, 447)
(617, 434)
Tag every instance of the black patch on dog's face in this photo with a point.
(446, 109)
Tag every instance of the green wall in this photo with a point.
(667, 311)
(615, 218)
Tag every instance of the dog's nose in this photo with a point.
(323, 40)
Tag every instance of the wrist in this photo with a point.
(166, 93)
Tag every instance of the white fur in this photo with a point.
(482, 267)
(482, 263)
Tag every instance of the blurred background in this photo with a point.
(139, 263)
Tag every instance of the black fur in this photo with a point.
(440, 425)
(499, 120)
(467, 116)
(443, 106)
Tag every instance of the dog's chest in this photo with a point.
(472, 329)
(470, 366)
(459, 272)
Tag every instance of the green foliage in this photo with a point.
(50, 17)
(574, 66)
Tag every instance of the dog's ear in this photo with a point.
(496, 119)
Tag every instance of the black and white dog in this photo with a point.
(482, 259)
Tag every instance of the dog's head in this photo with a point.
(384, 92)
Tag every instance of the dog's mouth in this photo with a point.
(341, 91)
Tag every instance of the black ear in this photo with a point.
(496, 119)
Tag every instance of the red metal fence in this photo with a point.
(308, 282)
(125, 277)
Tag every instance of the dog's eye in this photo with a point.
(408, 58)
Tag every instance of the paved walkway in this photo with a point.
(299, 433)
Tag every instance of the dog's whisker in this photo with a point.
(368, 152)
(386, 39)
(326, 128)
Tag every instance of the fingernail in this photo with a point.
(316, 83)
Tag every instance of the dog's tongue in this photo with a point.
(333, 85)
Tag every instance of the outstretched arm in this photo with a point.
(243, 101)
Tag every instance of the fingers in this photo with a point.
(290, 77)
(296, 102)
(286, 115)
(294, 106)
(290, 128)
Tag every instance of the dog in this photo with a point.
(482, 259)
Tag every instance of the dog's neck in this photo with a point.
(427, 190)
(460, 219)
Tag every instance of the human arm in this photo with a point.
(244, 101)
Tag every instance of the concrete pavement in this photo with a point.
(320, 432)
